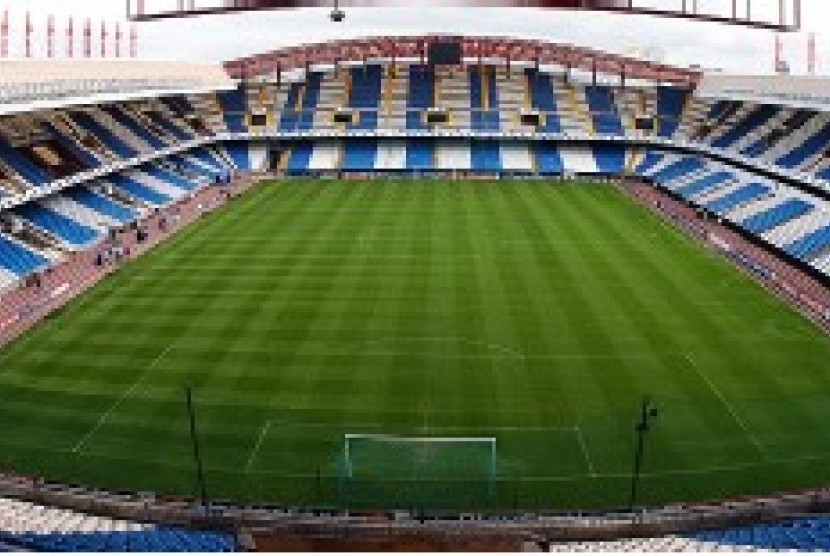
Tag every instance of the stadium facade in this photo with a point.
(98, 162)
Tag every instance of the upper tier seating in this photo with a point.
(754, 120)
(603, 110)
(114, 143)
(543, 99)
(233, 106)
(421, 96)
(365, 95)
(670, 103)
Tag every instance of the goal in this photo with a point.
(422, 471)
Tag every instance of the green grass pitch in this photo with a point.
(538, 313)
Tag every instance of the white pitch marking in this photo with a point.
(255, 450)
(735, 417)
(103, 419)
(585, 452)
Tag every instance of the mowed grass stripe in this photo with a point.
(539, 313)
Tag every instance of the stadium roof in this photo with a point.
(503, 48)
(787, 17)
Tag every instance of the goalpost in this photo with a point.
(423, 470)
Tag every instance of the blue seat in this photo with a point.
(139, 190)
(17, 259)
(65, 228)
(485, 156)
(101, 204)
(610, 158)
(603, 110)
(548, 159)
(420, 154)
(543, 99)
(775, 216)
(738, 197)
(359, 155)
(701, 185)
(234, 109)
(300, 158)
(103, 134)
(677, 169)
(365, 95)
(813, 242)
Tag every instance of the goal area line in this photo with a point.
(422, 439)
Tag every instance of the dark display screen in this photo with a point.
(444, 53)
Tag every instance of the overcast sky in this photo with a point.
(222, 37)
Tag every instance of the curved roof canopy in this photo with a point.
(504, 49)
(782, 15)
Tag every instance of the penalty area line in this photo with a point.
(584, 447)
(759, 446)
(114, 407)
(255, 450)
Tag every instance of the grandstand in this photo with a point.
(567, 190)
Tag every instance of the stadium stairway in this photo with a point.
(452, 155)
(517, 157)
(391, 155)
(577, 159)
(325, 156)
(7, 279)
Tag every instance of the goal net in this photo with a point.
(418, 471)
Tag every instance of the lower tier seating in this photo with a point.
(31, 526)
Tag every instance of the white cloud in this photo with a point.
(223, 37)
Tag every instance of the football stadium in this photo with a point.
(412, 291)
